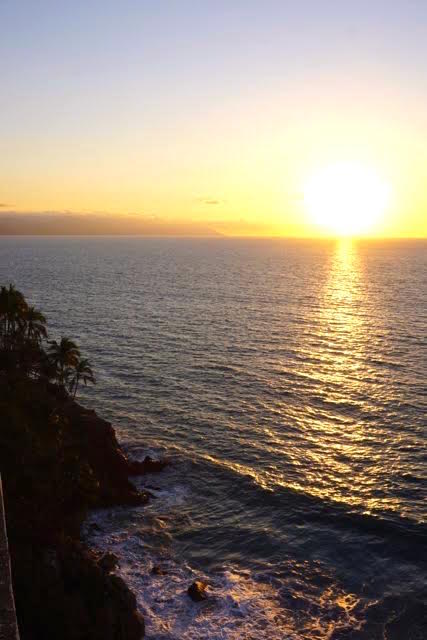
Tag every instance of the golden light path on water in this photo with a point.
(346, 333)
(338, 443)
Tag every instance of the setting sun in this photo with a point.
(346, 198)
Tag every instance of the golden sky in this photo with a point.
(214, 115)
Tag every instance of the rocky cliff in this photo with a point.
(58, 460)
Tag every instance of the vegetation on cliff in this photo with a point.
(23, 352)
(58, 460)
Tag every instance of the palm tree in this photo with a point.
(65, 355)
(22, 347)
(12, 313)
(82, 371)
(35, 324)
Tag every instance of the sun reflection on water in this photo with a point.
(342, 327)
(342, 324)
(343, 459)
(332, 444)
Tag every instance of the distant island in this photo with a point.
(63, 224)
(57, 461)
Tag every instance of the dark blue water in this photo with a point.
(286, 381)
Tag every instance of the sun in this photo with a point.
(346, 198)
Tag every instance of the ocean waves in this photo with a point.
(285, 380)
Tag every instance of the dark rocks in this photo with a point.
(94, 528)
(158, 571)
(122, 592)
(67, 594)
(148, 465)
(108, 562)
(69, 462)
(98, 444)
(197, 591)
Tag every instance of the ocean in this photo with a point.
(285, 381)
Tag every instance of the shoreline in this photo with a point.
(61, 584)
(58, 461)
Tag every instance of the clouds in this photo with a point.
(210, 201)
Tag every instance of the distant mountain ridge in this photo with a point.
(52, 223)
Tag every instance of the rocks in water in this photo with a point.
(122, 592)
(99, 448)
(148, 465)
(158, 571)
(108, 561)
(198, 591)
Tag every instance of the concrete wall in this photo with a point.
(8, 623)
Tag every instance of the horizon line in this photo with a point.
(216, 236)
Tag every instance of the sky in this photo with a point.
(212, 112)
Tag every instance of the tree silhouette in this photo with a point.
(12, 314)
(65, 356)
(35, 324)
(82, 371)
(23, 354)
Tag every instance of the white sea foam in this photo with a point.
(240, 606)
(237, 607)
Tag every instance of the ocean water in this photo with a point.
(285, 380)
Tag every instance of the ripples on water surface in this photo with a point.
(286, 382)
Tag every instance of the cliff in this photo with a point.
(58, 460)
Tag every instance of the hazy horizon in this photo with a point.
(77, 224)
(97, 224)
